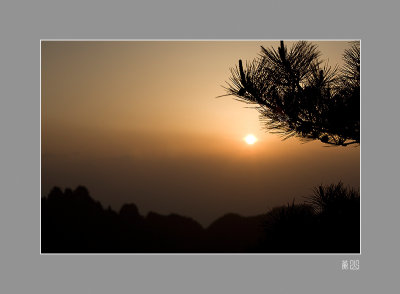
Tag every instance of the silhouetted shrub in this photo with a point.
(334, 199)
(289, 229)
(338, 217)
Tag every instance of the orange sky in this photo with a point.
(139, 122)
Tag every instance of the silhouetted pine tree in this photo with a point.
(298, 96)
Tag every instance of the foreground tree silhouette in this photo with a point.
(298, 96)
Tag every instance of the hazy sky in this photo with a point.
(139, 122)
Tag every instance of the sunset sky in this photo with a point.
(139, 122)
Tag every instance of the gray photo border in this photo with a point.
(25, 24)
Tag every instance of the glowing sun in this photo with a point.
(250, 139)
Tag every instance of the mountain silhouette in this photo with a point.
(73, 222)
